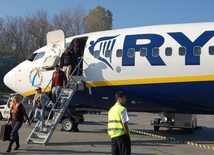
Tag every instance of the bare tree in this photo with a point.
(38, 25)
(70, 21)
(15, 38)
(20, 36)
(78, 16)
(98, 19)
(5, 41)
(2, 37)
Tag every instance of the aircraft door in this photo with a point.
(77, 47)
(55, 48)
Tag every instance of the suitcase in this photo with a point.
(5, 132)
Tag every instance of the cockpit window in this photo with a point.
(36, 56)
(31, 58)
(39, 56)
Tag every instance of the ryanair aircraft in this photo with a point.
(165, 69)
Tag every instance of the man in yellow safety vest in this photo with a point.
(118, 126)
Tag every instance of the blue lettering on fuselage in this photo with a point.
(183, 40)
(130, 42)
(157, 41)
(137, 42)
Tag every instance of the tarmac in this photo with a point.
(92, 139)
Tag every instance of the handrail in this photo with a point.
(77, 67)
(54, 106)
(48, 84)
(70, 77)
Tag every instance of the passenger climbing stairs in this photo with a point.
(43, 137)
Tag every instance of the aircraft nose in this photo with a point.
(9, 80)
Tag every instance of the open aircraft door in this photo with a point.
(55, 47)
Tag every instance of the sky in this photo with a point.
(126, 13)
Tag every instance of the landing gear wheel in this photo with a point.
(67, 125)
(156, 128)
(74, 125)
(1, 116)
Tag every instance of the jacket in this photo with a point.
(68, 59)
(62, 78)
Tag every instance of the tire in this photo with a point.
(1, 116)
(156, 128)
(67, 125)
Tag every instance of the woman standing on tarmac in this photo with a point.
(17, 113)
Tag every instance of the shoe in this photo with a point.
(75, 130)
(42, 131)
(17, 147)
(8, 150)
(10, 145)
(37, 129)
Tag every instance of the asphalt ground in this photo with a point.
(94, 140)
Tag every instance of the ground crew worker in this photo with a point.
(118, 126)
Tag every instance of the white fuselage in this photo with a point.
(135, 58)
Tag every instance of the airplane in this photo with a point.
(164, 69)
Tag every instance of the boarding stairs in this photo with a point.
(43, 137)
(75, 84)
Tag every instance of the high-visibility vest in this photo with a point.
(115, 127)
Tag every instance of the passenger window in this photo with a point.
(197, 51)
(39, 56)
(168, 51)
(119, 53)
(182, 51)
(131, 52)
(108, 53)
(155, 52)
(97, 54)
(211, 50)
(143, 52)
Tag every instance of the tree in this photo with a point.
(15, 38)
(70, 21)
(2, 53)
(37, 26)
(98, 19)
(21, 36)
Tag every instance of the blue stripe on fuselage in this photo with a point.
(187, 97)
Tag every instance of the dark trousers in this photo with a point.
(121, 145)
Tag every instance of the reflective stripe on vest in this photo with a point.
(115, 127)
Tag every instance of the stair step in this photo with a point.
(37, 140)
(39, 135)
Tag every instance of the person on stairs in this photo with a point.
(59, 80)
(41, 101)
(77, 50)
(67, 60)
(17, 113)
